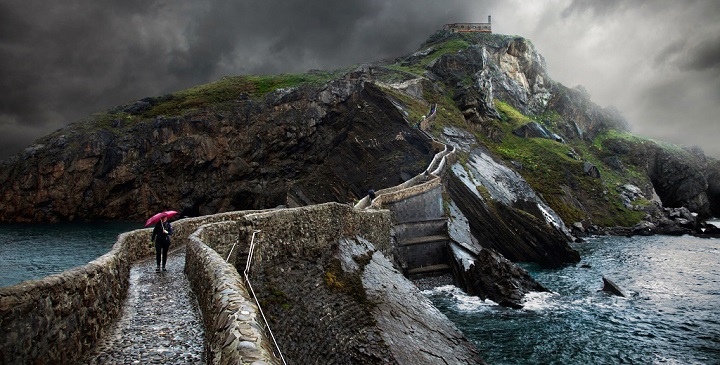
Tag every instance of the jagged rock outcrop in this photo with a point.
(505, 214)
(487, 274)
(678, 177)
(713, 192)
(583, 119)
(516, 234)
(612, 288)
(519, 75)
(535, 130)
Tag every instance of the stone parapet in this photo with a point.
(396, 196)
(55, 320)
(298, 231)
(234, 328)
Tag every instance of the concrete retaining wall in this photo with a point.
(418, 203)
(426, 254)
(420, 228)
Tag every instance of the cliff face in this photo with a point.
(314, 144)
(574, 153)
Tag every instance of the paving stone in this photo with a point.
(160, 322)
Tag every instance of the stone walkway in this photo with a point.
(160, 322)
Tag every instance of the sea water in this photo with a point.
(33, 251)
(670, 315)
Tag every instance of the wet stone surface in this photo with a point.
(160, 323)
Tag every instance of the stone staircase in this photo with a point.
(420, 233)
(421, 247)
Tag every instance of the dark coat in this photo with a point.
(158, 234)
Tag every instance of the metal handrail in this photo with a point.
(247, 279)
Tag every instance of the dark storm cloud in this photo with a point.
(61, 61)
(657, 61)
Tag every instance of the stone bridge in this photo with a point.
(304, 285)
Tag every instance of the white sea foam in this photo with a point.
(463, 302)
(540, 301)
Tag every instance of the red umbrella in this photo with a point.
(156, 217)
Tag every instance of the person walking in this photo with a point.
(161, 236)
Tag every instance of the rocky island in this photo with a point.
(529, 165)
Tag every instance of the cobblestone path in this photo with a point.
(160, 322)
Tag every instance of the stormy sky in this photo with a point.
(657, 61)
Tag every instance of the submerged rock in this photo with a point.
(610, 287)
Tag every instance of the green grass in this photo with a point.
(550, 171)
(511, 115)
(221, 94)
(446, 47)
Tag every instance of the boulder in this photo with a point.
(644, 229)
(591, 170)
(533, 130)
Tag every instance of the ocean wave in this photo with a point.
(462, 301)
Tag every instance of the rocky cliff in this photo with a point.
(298, 145)
(577, 156)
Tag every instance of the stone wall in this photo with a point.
(234, 330)
(299, 231)
(419, 203)
(56, 319)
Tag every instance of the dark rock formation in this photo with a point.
(591, 170)
(303, 145)
(680, 178)
(515, 233)
(712, 171)
(476, 100)
(533, 130)
(487, 274)
(610, 287)
(679, 181)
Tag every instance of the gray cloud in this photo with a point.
(656, 61)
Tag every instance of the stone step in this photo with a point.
(428, 227)
(423, 239)
(429, 269)
(428, 220)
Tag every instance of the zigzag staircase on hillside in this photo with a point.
(420, 233)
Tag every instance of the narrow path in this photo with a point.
(160, 322)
